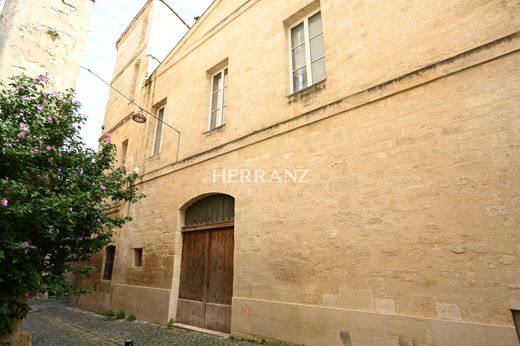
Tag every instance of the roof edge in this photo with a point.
(132, 22)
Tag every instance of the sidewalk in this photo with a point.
(53, 323)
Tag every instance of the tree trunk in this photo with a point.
(16, 337)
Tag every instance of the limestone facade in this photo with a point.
(406, 230)
(44, 36)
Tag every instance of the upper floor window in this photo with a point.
(307, 52)
(158, 132)
(218, 106)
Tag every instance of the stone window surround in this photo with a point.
(221, 102)
(310, 79)
(137, 260)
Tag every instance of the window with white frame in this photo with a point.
(219, 85)
(307, 52)
(158, 132)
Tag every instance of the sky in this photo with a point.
(109, 19)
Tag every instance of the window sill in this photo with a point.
(307, 92)
(215, 130)
(153, 158)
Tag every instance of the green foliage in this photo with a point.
(170, 323)
(53, 194)
(120, 315)
(53, 34)
(131, 317)
(109, 314)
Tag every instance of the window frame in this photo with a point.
(516, 321)
(220, 99)
(124, 152)
(307, 43)
(105, 272)
(158, 120)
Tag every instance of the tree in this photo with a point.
(53, 194)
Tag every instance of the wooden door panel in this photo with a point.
(193, 265)
(206, 282)
(220, 271)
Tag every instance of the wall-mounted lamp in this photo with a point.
(139, 117)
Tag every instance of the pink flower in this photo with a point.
(102, 187)
(54, 93)
(4, 202)
(48, 148)
(9, 146)
(70, 209)
(23, 127)
(39, 107)
(107, 139)
(34, 151)
(76, 102)
(41, 78)
(21, 135)
(25, 245)
(98, 220)
(49, 118)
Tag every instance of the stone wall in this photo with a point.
(44, 36)
(406, 231)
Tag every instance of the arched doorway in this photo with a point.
(206, 280)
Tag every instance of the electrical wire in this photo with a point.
(130, 100)
(140, 108)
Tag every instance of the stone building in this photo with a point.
(44, 36)
(324, 172)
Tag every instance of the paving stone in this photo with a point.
(53, 323)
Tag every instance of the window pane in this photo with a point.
(214, 102)
(158, 130)
(297, 35)
(299, 79)
(317, 49)
(224, 91)
(298, 57)
(213, 122)
(315, 24)
(156, 147)
(318, 70)
(216, 82)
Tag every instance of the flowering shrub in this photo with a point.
(53, 193)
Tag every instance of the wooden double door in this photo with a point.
(206, 281)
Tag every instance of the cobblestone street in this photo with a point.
(53, 323)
